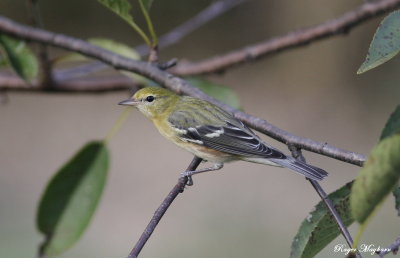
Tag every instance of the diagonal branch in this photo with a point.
(341, 25)
(159, 213)
(174, 83)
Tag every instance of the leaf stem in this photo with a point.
(150, 26)
(117, 126)
(139, 31)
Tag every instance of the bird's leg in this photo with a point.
(189, 174)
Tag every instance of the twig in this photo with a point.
(294, 39)
(393, 248)
(296, 152)
(174, 83)
(159, 213)
(211, 12)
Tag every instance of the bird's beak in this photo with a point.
(129, 102)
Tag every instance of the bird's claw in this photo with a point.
(189, 177)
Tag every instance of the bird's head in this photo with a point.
(152, 101)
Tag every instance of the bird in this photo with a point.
(210, 133)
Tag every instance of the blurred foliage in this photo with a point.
(109, 44)
(20, 57)
(219, 92)
(392, 125)
(377, 178)
(396, 194)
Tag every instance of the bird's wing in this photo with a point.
(231, 137)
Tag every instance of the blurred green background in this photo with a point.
(245, 210)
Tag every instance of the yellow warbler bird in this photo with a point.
(210, 132)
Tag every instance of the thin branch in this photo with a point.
(296, 153)
(294, 39)
(393, 248)
(211, 12)
(174, 83)
(159, 213)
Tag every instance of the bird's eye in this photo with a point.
(150, 98)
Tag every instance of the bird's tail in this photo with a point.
(302, 168)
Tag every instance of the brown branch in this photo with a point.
(298, 38)
(393, 248)
(174, 83)
(159, 213)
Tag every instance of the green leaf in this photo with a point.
(392, 125)
(385, 44)
(71, 198)
(120, 7)
(110, 45)
(319, 228)
(20, 57)
(221, 93)
(3, 59)
(147, 4)
(396, 194)
(377, 178)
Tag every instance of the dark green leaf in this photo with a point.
(319, 228)
(120, 7)
(392, 125)
(221, 93)
(386, 43)
(147, 4)
(396, 194)
(377, 178)
(20, 57)
(71, 198)
(3, 59)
